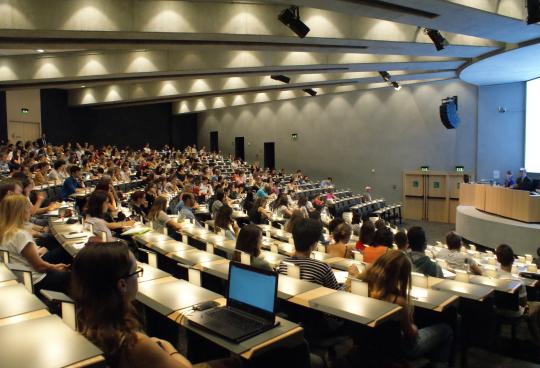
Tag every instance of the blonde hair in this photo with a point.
(13, 212)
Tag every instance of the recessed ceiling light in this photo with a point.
(83, 86)
(40, 50)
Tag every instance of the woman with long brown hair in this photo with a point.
(159, 217)
(105, 313)
(225, 222)
(389, 279)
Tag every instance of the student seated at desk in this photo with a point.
(306, 234)
(58, 173)
(72, 184)
(187, 209)
(28, 186)
(296, 216)
(105, 184)
(250, 241)
(453, 256)
(531, 310)
(139, 205)
(258, 213)
(402, 243)
(48, 272)
(151, 193)
(421, 262)
(382, 242)
(281, 206)
(341, 235)
(159, 217)
(225, 222)
(96, 208)
(42, 170)
(367, 232)
(105, 283)
(389, 279)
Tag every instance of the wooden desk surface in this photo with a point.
(502, 285)
(28, 344)
(168, 294)
(16, 300)
(463, 289)
(355, 308)
(6, 274)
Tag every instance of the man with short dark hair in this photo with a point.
(523, 182)
(418, 245)
(453, 256)
(306, 234)
(187, 208)
(72, 184)
(505, 257)
(400, 238)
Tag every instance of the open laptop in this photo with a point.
(251, 305)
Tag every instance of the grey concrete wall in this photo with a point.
(362, 138)
(501, 135)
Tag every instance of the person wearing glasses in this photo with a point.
(105, 311)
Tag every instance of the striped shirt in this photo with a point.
(312, 270)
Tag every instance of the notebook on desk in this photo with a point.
(251, 305)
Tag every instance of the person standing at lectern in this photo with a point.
(523, 182)
(509, 181)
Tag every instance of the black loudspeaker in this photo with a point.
(448, 112)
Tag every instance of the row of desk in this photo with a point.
(174, 299)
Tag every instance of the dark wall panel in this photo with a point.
(3, 117)
(128, 125)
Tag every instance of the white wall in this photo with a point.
(501, 135)
(346, 136)
(24, 98)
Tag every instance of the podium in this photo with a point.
(431, 195)
(510, 203)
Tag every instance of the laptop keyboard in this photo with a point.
(227, 316)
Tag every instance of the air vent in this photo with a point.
(384, 5)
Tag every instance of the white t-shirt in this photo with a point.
(503, 275)
(99, 226)
(15, 246)
(455, 259)
(161, 221)
(281, 210)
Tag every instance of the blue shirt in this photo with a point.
(509, 182)
(189, 215)
(179, 206)
(69, 187)
(261, 193)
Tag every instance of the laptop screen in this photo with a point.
(252, 288)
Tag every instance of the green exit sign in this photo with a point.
(424, 168)
(24, 110)
(294, 136)
(460, 168)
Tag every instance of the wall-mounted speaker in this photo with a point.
(449, 113)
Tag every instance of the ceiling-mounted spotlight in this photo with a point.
(310, 91)
(291, 18)
(281, 78)
(385, 76)
(533, 11)
(396, 86)
(437, 38)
